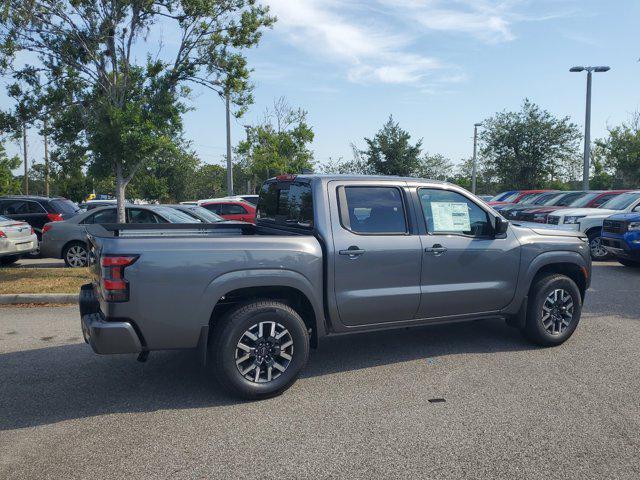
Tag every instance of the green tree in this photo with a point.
(8, 183)
(390, 152)
(126, 113)
(278, 144)
(435, 167)
(619, 154)
(530, 147)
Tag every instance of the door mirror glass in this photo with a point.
(501, 225)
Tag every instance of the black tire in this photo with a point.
(629, 263)
(232, 328)
(5, 261)
(540, 327)
(71, 254)
(598, 253)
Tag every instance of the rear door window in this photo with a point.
(232, 209)
(372, 210)
(286, 203)
(35, 207)
(140, 215)
(103, 216)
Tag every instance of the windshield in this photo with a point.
(176, 216)
(510, 198)
(622, 201)
(500, 196)
(206, 214)
(4, 219)
(584, 200)
(529, 198)
(546, 197)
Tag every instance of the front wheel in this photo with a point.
(259, 349)
(598, 252)
(554, 309)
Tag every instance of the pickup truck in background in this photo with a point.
(621, 238)
(328, 255)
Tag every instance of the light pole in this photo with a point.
(229, 164)
(474, 168)
(587, 121)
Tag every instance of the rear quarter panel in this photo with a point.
(175, 283)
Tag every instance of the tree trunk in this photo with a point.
(120, 188)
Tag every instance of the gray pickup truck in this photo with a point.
(329, 255)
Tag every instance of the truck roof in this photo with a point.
(329, 177)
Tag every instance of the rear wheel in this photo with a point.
(598, 252)
(629, 263)
(554, 309)
(259, 349)
(75, 255)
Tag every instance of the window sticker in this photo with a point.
(450, 217)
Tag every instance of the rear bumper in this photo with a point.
(10, 247)
(105, 336)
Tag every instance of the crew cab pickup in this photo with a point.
(621, 237)
(328, 255)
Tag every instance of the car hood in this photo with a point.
(548, 230)
(588, 212)
(625, 216)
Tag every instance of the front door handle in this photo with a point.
(436, 250)
(352, 251)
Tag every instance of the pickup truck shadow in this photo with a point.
(49, 385)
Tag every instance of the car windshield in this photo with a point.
(584, 200)
(529, 198)
(568, 198)
(206, 214)
(63, 205)
(4, 219)
(175, 216)
(510, 198)
(546, 197)
(621, 202)
(499, 196)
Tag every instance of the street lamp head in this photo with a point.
(477, 124)
(602, 68)
(576, 69)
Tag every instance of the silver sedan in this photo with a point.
(16, 240)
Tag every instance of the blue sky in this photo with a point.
(437, 66)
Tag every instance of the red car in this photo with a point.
(517, 197)
(238, 210)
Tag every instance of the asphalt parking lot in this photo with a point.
(361, 410)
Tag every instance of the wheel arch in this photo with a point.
(71, 242)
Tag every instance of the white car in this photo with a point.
(16, 239)
(589, 220)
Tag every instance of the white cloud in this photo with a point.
(382, 40)
(370, 52)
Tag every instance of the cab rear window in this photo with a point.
(286, 203)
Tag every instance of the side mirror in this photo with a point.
(500, 226)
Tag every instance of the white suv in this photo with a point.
(589, 220)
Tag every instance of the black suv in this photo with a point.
(37, 211)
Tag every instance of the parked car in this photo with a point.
(517, 196)
(502, 195)
(591, 199)
(68, 239)
(16, 240)
(198, 213)
(37, 211)
(515, 212)
(238, 210)
(328, 255)
(621, 238)
(486, 198)
(589, 220)
(508, 209)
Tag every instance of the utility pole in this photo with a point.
(229, 164)
(26, 161)
(46, 159)
(474, 167)
(587, 121)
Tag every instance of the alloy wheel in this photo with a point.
(264, 352)
(557, 311)
(597, 250)
(77, 256)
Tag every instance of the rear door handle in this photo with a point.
(436, 250)
(352, 251)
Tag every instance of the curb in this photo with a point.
(54, 298)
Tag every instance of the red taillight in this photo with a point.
(45, 229)
(2, 234)
(114, 286)
(32, 231)
(54, 217)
